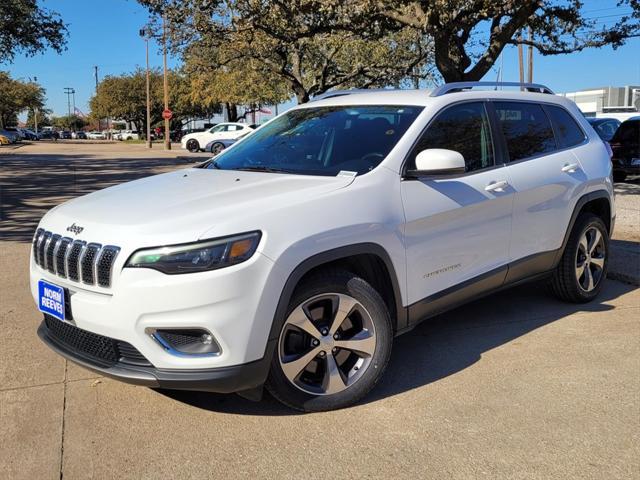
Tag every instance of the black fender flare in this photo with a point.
(320, 259)
(582, 201)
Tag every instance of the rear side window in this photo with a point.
(567, 130)
(628, 132)
(464, 128)
(526, 129)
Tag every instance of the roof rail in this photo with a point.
(341, 93)
(460, 86)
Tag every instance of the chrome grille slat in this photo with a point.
(77, 260)
(50, 255)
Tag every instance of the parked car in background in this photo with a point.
(4, 140)
(604, 127)
(16, 131)
(65, 135)
(30, 134)
(12, 135)
(48, 135)
(197, 141)
(80, 135)
(625, 146)
(126, 135)
(217, 146)
(95, 135)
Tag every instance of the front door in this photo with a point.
(457, 228)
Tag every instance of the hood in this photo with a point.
(180, 206)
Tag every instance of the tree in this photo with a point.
(300, 44)
(124, 97)
(27, 27)
(17, 96)
(43, 118)
(469, 35)
(69, 122)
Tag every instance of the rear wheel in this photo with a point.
(216, 148)
(583, 267)
(333, 346)
(193, 145)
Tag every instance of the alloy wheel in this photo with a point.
(590, 259)
(326, 344)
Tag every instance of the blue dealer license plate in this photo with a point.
(51, 299)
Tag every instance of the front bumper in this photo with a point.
(236, 378)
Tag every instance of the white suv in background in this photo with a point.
(194, 142)
(294, 257)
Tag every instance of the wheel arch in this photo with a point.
(598, 203)
(368, 260)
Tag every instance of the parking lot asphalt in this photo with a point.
(517, 385)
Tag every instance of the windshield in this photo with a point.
(321, 141)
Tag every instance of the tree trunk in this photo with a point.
(232, 112)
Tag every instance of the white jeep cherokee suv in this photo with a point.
(294, 257)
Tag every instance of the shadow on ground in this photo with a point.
(439, 347)
(30, 185)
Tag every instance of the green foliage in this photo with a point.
(43, 118)
(69, 122)
(123, 97)
(249, 52)
(27, 27)
(17, 96)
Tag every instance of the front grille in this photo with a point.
(100, 350)
(74, 259)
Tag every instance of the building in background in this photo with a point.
(612, 102)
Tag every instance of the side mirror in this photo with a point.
(438, 161)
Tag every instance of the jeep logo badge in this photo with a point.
(73, 228)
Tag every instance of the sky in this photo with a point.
(105, 33)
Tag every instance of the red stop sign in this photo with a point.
(167, 114)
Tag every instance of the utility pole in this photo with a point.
(35, 119)
(520, 60)
(95, 74)
(167, 133)
(530, 57)
(145, 34)
(68, 91)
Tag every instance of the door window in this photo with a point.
(463, 128)
(526, 129)
(567, 130)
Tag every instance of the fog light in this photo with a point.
(186, 342)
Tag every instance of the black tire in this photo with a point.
(346, 283)
(193, 145)
(619, 176)
(217, 147)
(565, 283)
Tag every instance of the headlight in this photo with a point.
(198, 256)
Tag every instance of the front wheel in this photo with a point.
(334, 344)
(193, 145)
(579, 276)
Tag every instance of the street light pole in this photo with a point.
(167, 133)
(68, 90)
(144, 33)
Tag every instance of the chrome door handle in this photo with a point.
(570, 167)
(496, 186)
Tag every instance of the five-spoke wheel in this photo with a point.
(590, 259)
(333, 344)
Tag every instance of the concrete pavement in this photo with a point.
(518, 385)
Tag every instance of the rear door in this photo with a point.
(457, 227)
(546, 175)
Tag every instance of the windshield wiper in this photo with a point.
(262, 168)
